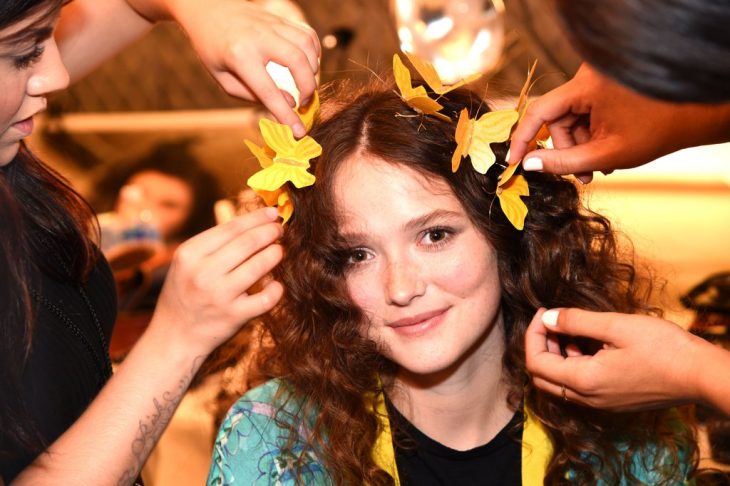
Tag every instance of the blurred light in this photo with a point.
(460, 37)
(329, 41)
(438, 29)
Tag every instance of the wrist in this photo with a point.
(162, 338)
(701, 376)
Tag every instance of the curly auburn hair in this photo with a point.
(567, 256)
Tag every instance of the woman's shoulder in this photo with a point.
(253, 447)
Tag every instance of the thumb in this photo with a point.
(581, 158)
(601, 326)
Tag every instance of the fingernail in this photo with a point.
(533, 163)
(305, 102)
(299, 130)
(506, 157)
(550, 317)
(585, 179)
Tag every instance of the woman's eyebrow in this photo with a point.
(429, 219)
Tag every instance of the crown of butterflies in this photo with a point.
(284, 160)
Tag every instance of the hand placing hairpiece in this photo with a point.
(284, 159)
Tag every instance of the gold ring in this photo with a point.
(562, 391)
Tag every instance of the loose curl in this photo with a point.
(566, 256)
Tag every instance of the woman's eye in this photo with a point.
(436, 235)
(26, 60)
(358, 256)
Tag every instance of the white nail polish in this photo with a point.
(533, 163)
(550, 317)
(506, 157)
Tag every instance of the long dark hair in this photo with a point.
(566, 256)
(40, 215)
(674, 50)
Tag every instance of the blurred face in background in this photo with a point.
(160, 199)
(30, 69)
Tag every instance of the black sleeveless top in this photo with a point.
(422, 461)
(69, 360)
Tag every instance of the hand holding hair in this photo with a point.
(598, 124)
(645, 363)
(206, 297)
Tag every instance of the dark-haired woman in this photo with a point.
(62, 419)
(657, 80)
(397, 352)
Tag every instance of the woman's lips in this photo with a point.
(24, 126)
(418, 324)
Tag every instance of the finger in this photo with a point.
(601, 326)
(214, 238)
(243, 278)
(251, 306)
(550, 107)
(239, 250)
(561, 132)
(261, 84)
(304, 38)
(560, 390)
(299, 66)
(573, 351)
(582, 158)
(289, 98)
(539, 357)
(553, 344)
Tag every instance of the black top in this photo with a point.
(68, 362)
(422, 461)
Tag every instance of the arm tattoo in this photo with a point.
(151, 427)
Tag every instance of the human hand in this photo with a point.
(598, 124)
(207, 294)
(646, 362)
(237, 39)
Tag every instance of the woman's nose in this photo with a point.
(49, 73)
(403, 283)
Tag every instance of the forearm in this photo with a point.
(110, 442)
(91, 31)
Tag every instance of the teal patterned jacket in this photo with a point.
(249, 447)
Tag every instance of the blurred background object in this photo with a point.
(459, 37)
(710, 300)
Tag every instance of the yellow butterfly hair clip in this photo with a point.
(284, 159)
(509, 189)
(474, 136)
(417, 97)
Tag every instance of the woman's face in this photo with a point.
(168, 199)
(30, 68)
(421, 272)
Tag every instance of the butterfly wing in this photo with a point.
(430, 75)
(509, 199)
(275, 176)
(308, 113)
(492, 127)
(463, 139)
(417, 98)
(280, 138)
(260, 154)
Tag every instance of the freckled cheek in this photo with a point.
(464, 276)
